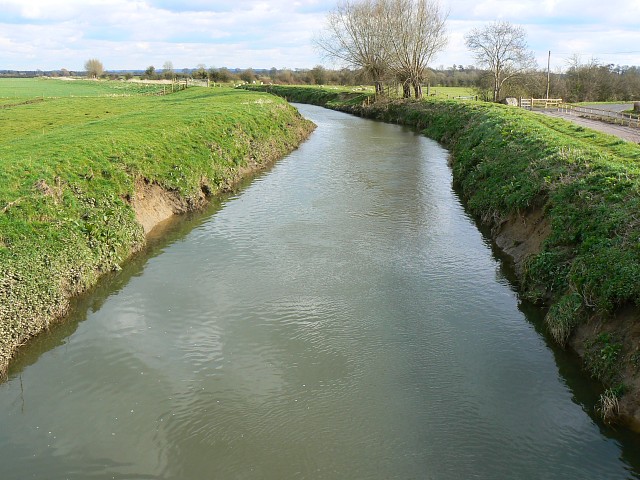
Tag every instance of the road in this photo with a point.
(613, 107)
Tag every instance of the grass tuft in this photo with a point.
(608, 406)
(563, 316)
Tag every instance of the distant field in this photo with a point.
(450, 92)
(21, 89)
(15, 90)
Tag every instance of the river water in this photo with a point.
(340, 318)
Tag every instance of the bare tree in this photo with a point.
(382, 37)
(502, 49)
(94, 68)
(167, 70)
(353, 35)
(415, 32)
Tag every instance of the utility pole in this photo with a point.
(548, 73)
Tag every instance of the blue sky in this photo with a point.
(133, 34)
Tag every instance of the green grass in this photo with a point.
(451, 92)
(603, 354)
(69, 166)
(15, 90)
(509, 161)
(442, 93)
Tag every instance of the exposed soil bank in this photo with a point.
(36, 284)
(562, 202)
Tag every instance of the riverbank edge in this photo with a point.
(606, 340)
(149, 204)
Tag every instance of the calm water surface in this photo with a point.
(341, 318)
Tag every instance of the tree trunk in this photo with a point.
(406, 90)
(379, 88)
(418, 90)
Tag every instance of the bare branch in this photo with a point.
(352, 36)
(399, 37)
(502, 49)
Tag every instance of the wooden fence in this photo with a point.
(530, 103)
(182, 85)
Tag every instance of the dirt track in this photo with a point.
(630, 134)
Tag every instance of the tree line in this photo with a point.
(581, 81)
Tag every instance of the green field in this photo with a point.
(68, 170)
(21, 89)
(451, 92)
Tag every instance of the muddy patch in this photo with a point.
(153, 204)
(623, 330)
(522, 235)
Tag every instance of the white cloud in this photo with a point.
(563, 26)
(50, 34)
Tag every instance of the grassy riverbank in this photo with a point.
(563, 201)
(73, 169)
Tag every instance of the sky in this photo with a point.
(134, 34)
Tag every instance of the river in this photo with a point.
(341, 317)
